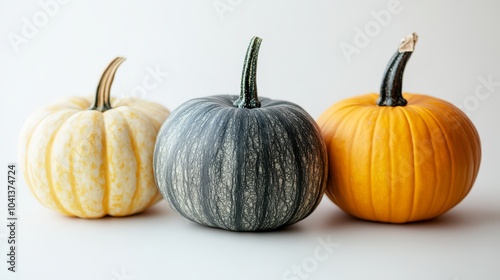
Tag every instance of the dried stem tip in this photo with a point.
(408, 43)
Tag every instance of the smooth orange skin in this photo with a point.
(399, 164)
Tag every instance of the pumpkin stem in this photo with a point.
(392, 83)
(248, 95)
(102, 97)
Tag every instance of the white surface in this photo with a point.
(159, 244)
(301, 61)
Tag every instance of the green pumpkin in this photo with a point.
(241, 163)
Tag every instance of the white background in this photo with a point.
(301, 61)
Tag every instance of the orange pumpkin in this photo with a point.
(398, 157)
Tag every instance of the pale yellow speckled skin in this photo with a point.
(89, 164)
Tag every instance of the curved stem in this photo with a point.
(248, 94)
(102, 98)
(391, 89)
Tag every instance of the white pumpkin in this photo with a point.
(84, 158)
